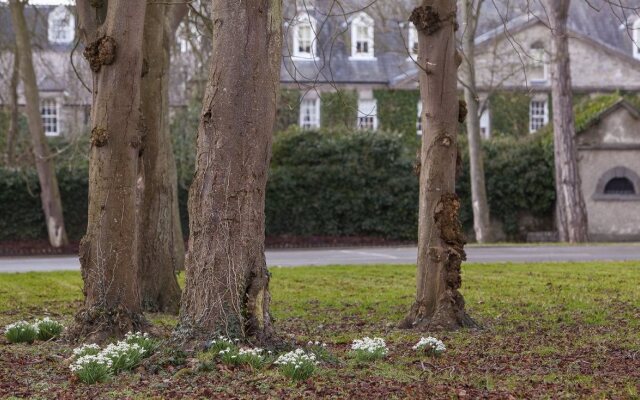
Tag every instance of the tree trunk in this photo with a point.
(12, 133)
(109, 250)
(227, 281)
(161, 241)
(438, 303)
(481, 221)
(570, 206)
(49, 191)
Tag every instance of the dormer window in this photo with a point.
(62, 25)
(412, 42)
(304, 37)
(538, 65)
(362, 34)
(636, 38)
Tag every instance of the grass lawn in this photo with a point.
(557, 330)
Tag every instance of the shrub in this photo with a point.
(297, 365)
(147, 344)
(21, 332)
(92, 368)
(342, 184)
(123, 356)
(86, 350)
(48, 328)
(229, 355)
(368, 349)
(253, 357)
(431, 346)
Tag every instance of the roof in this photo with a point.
(37, 20)
(592, 111)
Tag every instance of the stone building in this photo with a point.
(609, 162)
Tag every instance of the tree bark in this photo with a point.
(12, 133)
(571, 212)
(438, 303)
(481, 220)
(49, 190)
(161, 240)
(227, 281)
(109, 250)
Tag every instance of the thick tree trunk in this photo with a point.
(438, 303)
(570, 207)
(161, 242)
(481, 221)
(49, 191)
(227, 281)
(12, 132)
(109, 250)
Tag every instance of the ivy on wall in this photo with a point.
(398, 111)
(288, 110)
(510, 114)
(339, 109)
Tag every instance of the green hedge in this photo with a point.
(331, 184)
(398, 111)
(342, 184)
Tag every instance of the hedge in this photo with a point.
(331, 184)
(342, 184)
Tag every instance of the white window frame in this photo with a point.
(367, 114)
(304, 20)
(538, 104)
(419, 121)
(539, 58)
(61, 26)
(412, 42)
(636, 39)
(311, 104)
(485, 123)
(50, 120)
(365, 22)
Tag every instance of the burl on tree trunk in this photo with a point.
(438, 303)
(227, 281)
(109, 249)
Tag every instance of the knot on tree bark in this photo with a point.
(426, 19)
(446, 217)
(99, 137)
(100, 52)
(462, 110)
(96, 3)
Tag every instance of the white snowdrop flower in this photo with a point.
(430, 344)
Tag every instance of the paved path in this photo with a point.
(380, 255)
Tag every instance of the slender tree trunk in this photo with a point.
(481, 221)
(227, 282)
(570, 207)
(49, 191)
(109, 250)
(438, 303)
(161, 241)
(12, 133)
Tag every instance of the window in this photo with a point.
(367, 114)
(362, 32)
(49, 113)
(636, 38)
(412, 42)
(310, 113)
(485, 124)
(538, 65)
(419, 123)
(538, 114)
(304, 38)
(62, 26)
(620, 186)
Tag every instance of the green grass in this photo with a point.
(549, 330)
